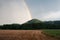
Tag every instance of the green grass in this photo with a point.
(53, 32)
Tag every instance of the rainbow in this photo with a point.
(14, 11)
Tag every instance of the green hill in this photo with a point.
(33, 21)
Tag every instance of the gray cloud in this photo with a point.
(13, 11)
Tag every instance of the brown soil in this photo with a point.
(24, 35)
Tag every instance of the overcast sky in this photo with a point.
(44, 9)
(14, 11)
(19, 11)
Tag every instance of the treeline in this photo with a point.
(31, 26)
(40, 26)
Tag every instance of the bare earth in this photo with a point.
(24, 35)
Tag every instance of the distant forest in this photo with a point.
(33, 24)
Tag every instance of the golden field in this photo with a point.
(24, 35)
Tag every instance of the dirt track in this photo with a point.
(24, 35)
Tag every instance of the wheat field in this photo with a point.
(24, 35)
